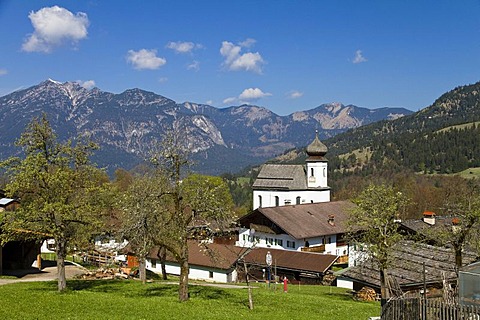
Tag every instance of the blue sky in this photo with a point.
(284, 55)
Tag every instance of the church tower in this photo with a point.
(317, 165)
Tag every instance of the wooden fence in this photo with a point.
(418, 309)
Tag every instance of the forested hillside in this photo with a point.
(442, 138)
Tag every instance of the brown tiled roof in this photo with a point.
(225, 257)
(292, 260)
(407, 265)
(208, 255)
(306, 220)
(281, 176)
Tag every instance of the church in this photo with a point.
(281, 184)
(292, 208)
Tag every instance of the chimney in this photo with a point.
(331, 220)
(455, 225)
(429, 217)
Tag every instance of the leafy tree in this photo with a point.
(462, 204)
(143, 212)
(197, 200)
(373, 227)
(59, 191)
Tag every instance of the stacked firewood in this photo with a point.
(366, 294)
(107, 273)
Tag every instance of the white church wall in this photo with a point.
(266, 198)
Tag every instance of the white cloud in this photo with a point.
(54, 26)
(3, 72)
(248, 43)
(359, 58)
(183, 47)
(195, 65)
(209, 102)
(253, 94)
(163, 79)
(229, 100)
(89, 84)
(235, 61)
(145, 59)
(248, 95)
(295, 94)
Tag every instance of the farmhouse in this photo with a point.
(407, 271)
(16, 254)
(317, 227)
(224, 263)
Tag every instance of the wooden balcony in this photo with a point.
(320, 248)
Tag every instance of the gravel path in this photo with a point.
(47, 274)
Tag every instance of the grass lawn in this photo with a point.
(112, 299)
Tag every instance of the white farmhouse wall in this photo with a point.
(285, 242)
(195, 272)
(344, 283)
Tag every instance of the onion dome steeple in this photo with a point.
(316, 148)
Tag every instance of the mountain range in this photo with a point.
(128, 125)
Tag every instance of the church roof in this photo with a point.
(305, 220)
(281, 176)
(316, 149)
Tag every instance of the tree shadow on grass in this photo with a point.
(201, 292)
(82, 285)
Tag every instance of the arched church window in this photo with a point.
(298, 200)
(311, 172)
(324, 172)
(277, 201)
(260, 201)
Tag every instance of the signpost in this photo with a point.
(268, 260)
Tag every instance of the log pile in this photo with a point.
(328, 279)
(366, 294)
(108, 274)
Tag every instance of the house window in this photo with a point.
(275, 241)
(154, 263)
(277, 201)
(298, 200)
(260, 201)
(210, 274)
(288, 202)
(329, 240)
(290, 244)
(280, 242)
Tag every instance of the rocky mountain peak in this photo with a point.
(127, 126)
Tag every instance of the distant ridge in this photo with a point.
(127, 125)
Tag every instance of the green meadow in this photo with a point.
(129, 299)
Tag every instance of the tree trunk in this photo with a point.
(458, 258)
(142, 268)
(163, 258)
(250, 297)
(183, 286)
(61, 250)
(383, 287)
